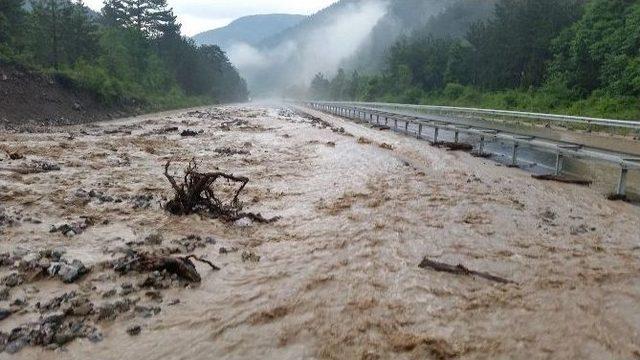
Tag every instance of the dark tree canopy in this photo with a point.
(131, 52)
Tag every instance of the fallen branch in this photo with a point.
(197, 194)
(143, 262)
(562, 179)
(454, 146)
(214, 267)
(460, 270)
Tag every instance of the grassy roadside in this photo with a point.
(546, 100)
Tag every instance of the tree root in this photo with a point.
(460, 270)
(183, 267)
(196, 194)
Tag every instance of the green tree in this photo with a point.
(602, 49)
(11, 21)
(320, 87)
(513, 48)
(151, 17)
(61, 32)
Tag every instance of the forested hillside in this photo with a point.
(350, 33)
(130, 53)
(569, 56)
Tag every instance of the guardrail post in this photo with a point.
(622, 182)
(514, 157)
(378, 120)
(559, 163)
(481, 147)
(406, 127)
(436, 133)
(395, 124)
(386, 121)
(419, 131)
(456, 137)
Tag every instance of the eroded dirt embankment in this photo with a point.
(30, 98)
(337, 277)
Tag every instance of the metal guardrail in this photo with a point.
(561, 149)
(589, 121)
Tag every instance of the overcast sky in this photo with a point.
(201, 15)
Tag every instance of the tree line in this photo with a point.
(130, 52)
(573, 56)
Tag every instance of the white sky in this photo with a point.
(201, 15)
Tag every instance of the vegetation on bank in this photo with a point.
(577, 57)
(132, 53)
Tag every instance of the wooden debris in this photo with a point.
(460, 270)
(617, 197)
(562, 179)
(197, 194)
(454, 146)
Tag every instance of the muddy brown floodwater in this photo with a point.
(337, 277)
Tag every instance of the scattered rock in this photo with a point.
(73, 229)
(15, 156)
(147, 311)
(582, 229)
(226, 151)
(224, 250)
(5, 313)
(77, 106)
(153, 239)
(134, 330)
(13, 280)
(244, 222)
(4, 293)
(68, 272)
(364, 141)
(250, 256)
(44, 166)
(188, 133)
(142, 201)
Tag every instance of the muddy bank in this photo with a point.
(337, 276)
(30, 98)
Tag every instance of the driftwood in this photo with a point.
(617, 197)
(454, 146)
(562, 179)
(460, 270)
(197, 194)
(183, 267)
(214, 267)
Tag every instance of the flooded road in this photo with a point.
(337, 277)
(629, 144)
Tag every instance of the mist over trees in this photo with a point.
(573, 56)
(130, 53)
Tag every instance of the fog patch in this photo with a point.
(320, 49)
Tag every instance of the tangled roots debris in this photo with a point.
(197, 194)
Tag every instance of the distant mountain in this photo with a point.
(250, 30)
(353, 34)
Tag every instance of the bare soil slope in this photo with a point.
(27, 97)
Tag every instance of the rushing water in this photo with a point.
(605, 176)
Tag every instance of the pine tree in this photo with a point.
(153, 18)
(60, 32)
(11, 16)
